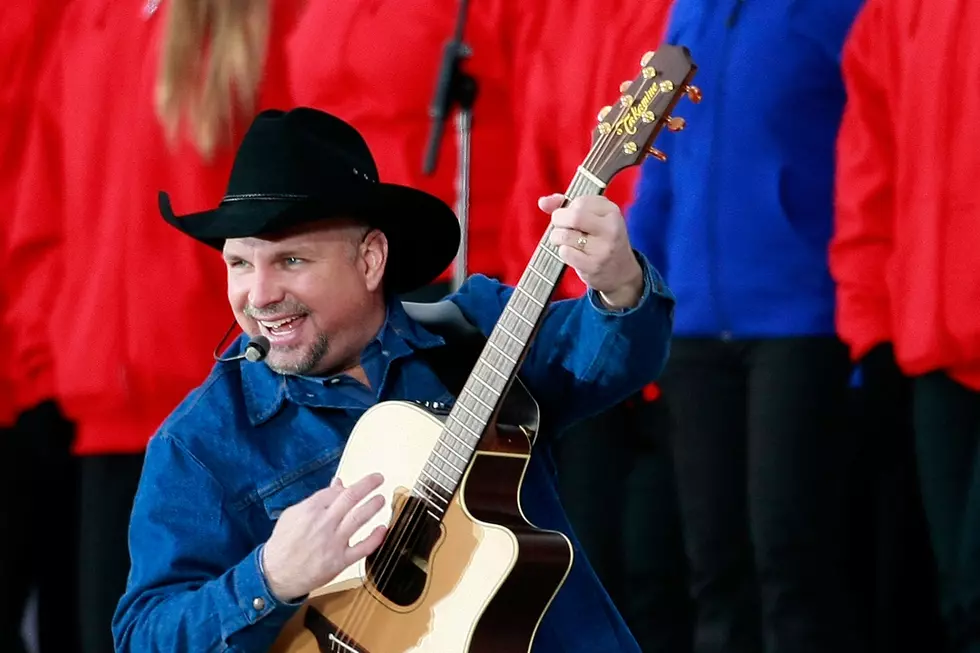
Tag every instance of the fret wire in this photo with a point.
(470, 392)
(433, 492)
(455, 417)
(491, 380)
(516, 330)
(463, 405)
(469, 419)
(553, 266)
(485, 397)
(437, 508)
(509, 349)
(544, 267)
(540, 275)
(547, 249)
(443, 444)
(522, 303)
(539, 290)
(504, 338)
(493, 357)
(431, 478)
(485, 384)
(500, 327)
(429, 499)
(460, 440)
(548, 263)
(484, 391)
(495, 371)
(437, 466)
(445, 460)
(520, 317)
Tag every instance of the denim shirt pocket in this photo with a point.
(295, 485)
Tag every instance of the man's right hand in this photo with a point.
(310, 544)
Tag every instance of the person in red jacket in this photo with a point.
(637, 550)
(36, 466)
(375, 65)
(122, 115)
(904, 256)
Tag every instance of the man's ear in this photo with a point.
(374, 253)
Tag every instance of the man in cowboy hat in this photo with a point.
(237, 515)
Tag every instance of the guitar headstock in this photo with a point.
(627, 129)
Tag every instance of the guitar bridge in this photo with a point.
(328, 636)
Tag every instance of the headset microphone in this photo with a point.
(256, 349)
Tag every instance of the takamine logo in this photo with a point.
(640, 110)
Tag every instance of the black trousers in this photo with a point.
(763, 465)
(108, 486)
(896, 559)
(947, 425)
(617, 487)
(38, 526)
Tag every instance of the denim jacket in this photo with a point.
(249, 443)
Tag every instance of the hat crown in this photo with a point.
(299, 154)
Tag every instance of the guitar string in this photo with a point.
(360, 610)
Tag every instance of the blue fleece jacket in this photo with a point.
(739, 219)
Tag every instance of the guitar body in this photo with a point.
(482, 581)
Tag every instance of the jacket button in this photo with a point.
(258, 603)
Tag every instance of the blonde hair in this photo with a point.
(211, 64)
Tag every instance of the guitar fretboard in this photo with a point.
(497, 366)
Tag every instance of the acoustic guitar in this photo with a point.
(461, 570)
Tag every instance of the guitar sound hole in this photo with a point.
(399, 567)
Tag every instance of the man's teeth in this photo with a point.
(279, 323)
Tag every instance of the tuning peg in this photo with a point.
(693, 93)
(657, 154)
(625, 85)
(676, 124)
(603, 112)
(647, 56)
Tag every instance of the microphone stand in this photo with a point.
(455, 87)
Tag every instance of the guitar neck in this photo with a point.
(482, 395)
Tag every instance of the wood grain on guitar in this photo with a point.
(461, 569)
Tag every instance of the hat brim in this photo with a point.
(423, 232)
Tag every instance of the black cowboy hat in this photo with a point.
(304, 165)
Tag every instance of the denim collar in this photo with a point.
(265, 391)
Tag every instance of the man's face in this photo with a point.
(310, 292)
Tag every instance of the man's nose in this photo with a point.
(265, 290)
